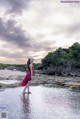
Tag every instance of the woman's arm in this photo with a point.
(31, 69)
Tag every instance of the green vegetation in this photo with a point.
(13, 66)
(21, 67)
(63, 57)
(37, 65)
(3, 66)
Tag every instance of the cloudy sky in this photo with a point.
(32, 28)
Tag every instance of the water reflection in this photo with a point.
(26, 105)
(43, 102)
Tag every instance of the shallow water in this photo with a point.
(8, 81)
(42, 103)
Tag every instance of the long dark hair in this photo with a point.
(28, 63)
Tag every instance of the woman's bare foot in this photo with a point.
(26, 92)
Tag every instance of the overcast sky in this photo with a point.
(32, 28)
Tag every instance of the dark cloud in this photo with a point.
(13, 34)
(73, 28)
(43, 46)
(10, 32)
(68, 30)
(6, 54)
(14, 6)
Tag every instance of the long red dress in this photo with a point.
(27, 77)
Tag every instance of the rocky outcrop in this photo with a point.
(61, 71)
(47, 80)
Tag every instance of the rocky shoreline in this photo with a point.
(61, 71)
(47, 80)
(57, 81)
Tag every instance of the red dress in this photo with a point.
(27, 77)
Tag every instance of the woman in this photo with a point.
(28, 76)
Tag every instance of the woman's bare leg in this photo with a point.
(25, 88)
(28, 87)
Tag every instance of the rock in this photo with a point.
(73, 74)
(75, 87)
(78, 74)
(61, 71)
(64, 74)
(37, 71)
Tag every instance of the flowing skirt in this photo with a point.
(26, 79)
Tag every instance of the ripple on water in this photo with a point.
(43, 102)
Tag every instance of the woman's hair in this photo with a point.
(28, 63)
